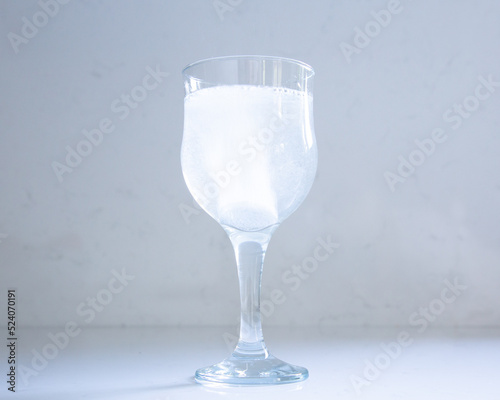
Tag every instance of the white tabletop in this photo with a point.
(159, 363)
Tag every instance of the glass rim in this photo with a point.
(307, 67)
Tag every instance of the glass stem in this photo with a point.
(250, 250)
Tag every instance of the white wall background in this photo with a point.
(119, 209)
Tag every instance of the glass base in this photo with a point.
(248, 371)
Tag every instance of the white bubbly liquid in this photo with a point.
(248, 154)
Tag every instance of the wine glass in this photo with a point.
(249, 158)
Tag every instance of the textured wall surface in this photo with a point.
(406, 107)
